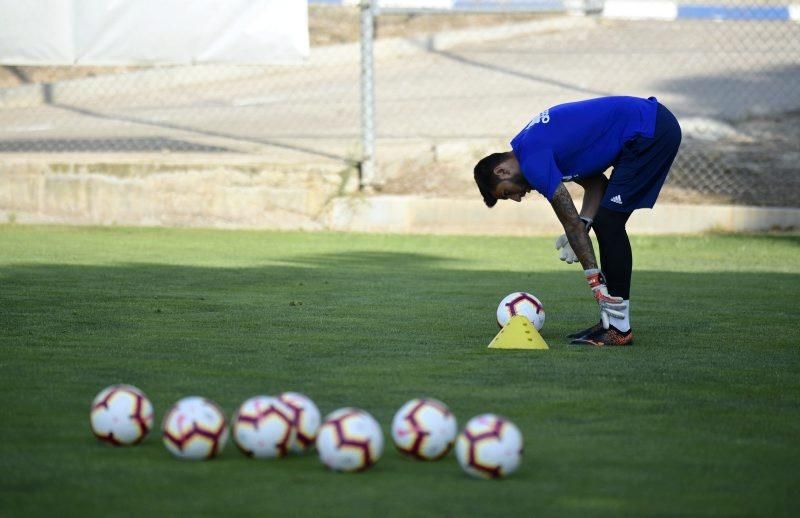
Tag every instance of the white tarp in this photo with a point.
(116, 32)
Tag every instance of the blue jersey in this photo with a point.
(580, 139)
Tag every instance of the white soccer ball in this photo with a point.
(424, 428)
(305, 417)
(349, 440)
(490, 446)
(195, 428)
(121, 415)
(520, 303)
(263, 428)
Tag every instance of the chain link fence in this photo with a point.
(450, 87)
(284, 113)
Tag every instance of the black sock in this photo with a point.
(616, 260)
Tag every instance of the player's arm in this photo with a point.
(578, 237)
(574, 227)
(594, 187)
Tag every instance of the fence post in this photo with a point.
(368, 178)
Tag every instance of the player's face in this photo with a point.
(512, 185)
(510, 190)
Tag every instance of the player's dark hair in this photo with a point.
(485, 177)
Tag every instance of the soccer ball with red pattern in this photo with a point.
(424, 428)
(349, 440)
(490, 446)
(520, 303)
(195, 428)
(263, 427)
(121, 415)
(305, 418)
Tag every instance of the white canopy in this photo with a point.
(125, 32)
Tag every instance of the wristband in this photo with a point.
(587, 222)
(594, 277)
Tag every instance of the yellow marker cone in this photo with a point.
(519, 333)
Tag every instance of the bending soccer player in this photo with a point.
(577, 142)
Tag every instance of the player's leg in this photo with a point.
(616, 258)
(616, 262)
(634, 184)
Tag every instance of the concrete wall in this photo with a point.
(187, 193)
(246, 194)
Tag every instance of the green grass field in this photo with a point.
(701, 417)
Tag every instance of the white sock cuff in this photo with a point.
(623, 324)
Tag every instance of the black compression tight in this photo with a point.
(616, 260)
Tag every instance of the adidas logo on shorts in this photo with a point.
(617, 199)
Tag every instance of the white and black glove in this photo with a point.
(610, 306)
(567, 254)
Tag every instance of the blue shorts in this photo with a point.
(642, 166)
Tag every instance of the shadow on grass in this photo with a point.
(715, 368)
(360, 294)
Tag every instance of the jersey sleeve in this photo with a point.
(542, 172)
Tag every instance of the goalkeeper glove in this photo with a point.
(562, 244)
(567, 254)
(609, 306)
